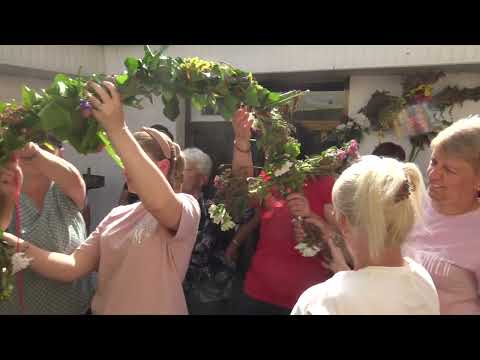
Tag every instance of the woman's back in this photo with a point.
(374, 290)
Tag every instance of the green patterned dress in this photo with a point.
(59, 227)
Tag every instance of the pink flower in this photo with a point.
(352, 148)
(341, 155)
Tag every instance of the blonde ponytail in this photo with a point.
(371, 194)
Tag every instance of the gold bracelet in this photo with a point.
(242, 151)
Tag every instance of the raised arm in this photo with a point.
(58, 170)
(242, 164)
(150, 183)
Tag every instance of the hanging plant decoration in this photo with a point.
(418, 113)
(382, 110)
(452, 95)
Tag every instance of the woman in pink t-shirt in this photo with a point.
(140, 251)
(447, 242)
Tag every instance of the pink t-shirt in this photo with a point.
(449, 248)
(141, 265)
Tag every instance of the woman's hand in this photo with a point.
(335, 242)
(242, 163)
(13, 240)
(242, 124)
(11, 176)
(298, 231)
(107, 106)
(298, 205)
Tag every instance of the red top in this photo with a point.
(279, 274)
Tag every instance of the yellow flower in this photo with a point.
(428, 91)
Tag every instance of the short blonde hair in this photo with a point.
(367, 194)
(461, 139)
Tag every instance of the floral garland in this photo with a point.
(277, 179)
(63, 111)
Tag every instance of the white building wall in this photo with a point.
(56, 58)
(11, 86)
(281, 58)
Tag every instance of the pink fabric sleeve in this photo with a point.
(190, 218)
(91, 246)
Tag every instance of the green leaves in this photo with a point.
(292, 149)
(172, 108)
(62, 108)
(132, 65)
(231, 103)
(251, 96)
(102, 135)
(276, 99)
(273, 97)
(6, 277)
(53, 116)
(199, 101)
(28, 97)
(121, 79)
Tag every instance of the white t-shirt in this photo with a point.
(374, 290)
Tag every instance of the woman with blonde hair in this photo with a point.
(141, 251)
(447, 242)
(376, 203)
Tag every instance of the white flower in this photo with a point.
(212, 209)
(306, 250)
(227, 225)
(284, 169)
(341, 127)
(19, 262)
(350, 124)
(363, 122)
(220, 216)
(216, 213)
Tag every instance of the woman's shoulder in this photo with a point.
(321, 299)
(123, 210)
(188, 201)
